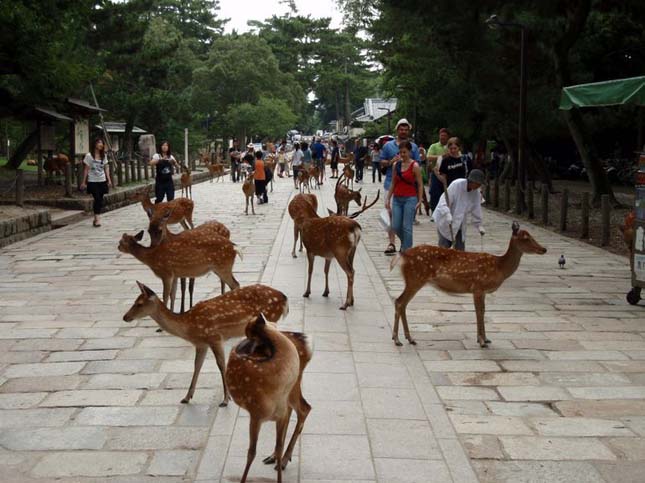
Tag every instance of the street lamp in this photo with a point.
(389, 115)
(494, 23)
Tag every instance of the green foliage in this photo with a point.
(269, 118)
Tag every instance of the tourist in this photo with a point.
(389, 155)
(164, 162)
(282, 161)
(260, 177)
(234, 156)
(405, 194)
(296, 163)
(306, 156)
(451, 215)
(319, 153)
(435, 151)
(376, 164)
(453, 165)
(335, 155)
(360, 155)
(96, 177)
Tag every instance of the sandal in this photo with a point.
(96, 224)
(390, 250)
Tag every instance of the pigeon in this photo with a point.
(561, 261)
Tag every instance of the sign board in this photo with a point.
(47, 135)
(81, 136)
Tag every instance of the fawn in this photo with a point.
(264, 376)
(210, 323)
(248, 187)
(296, 212)
(181, 209)
(186, 182)
(343, 196)
(455, 271)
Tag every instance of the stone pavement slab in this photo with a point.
(85, 396)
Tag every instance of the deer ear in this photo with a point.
(145, 290)
(139, 236)
(515, 228)
(331, 213)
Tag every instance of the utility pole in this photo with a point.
(347, 104)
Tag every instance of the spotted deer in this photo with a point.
(348, 170)
(332, 237)
(455, 271)
(181, 209)
(297, 211)
(303, 180)
(216, 170)
(186, 182)
(269, 164)
(190, 254)
(210, 323)
(343, 196)
(264, 376)
(314, 176)
(248, 187)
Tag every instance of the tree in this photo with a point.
(268, 118)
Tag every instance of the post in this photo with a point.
(507, 195)
(138, 169)
(529, 201)
(519, 198)
(119, 172)
(79, 175)
(496, 197)
(521, 152)
(68, 180)
(39, 155)
(133, 170)
(186, 149)
(20, 188)
(111, 169)
(604, 207)
(126, 168)
(564, 208)
(146, 175)
(584, 205)
(545, 204)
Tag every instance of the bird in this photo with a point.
(561, 261)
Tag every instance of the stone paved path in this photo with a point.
(86, 397)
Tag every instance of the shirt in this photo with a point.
(318, 150)
(297, 158)
(453, 168)
(462, 204)
(306, 155)
(164, 167)
(390, 150)
(436, 149)
(259, 173)
(406, 184)
(96, 173)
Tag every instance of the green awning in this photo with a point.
(608, 93)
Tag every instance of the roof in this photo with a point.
(375, 108)
(52, 114)
(119, 127)
(83, 104)
(607, 93)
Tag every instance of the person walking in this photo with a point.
(376, 164)
(282, 161)
(335, 155)
(260, 177)
(165, 163)
(389, 156)
(360, 155)
(296, 163)
(234, 156)
(405, 194)
(453, 165)
(436, 151)
(319, 153)
(96, 177)
(306, 156)
(461, 199)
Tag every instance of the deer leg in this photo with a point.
(302, 409)
(191, 289)
(254, 431)
(480, 308)
(296, 233)
(173, 294)
(400, 305)
(347, 267)
(218, 350)
(246, 211)
(252, 205)
(200, 355)
(300, 241)
(310, 260)
(184, 224)
(182, 282)
(327, 265)
(222, 285)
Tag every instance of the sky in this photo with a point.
(240, 11)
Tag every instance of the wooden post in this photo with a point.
(119, 172)
(507, 195)
(496, 197)
(545, 204)
(564, 208)
(146, 175)
(20, 188)
(584, 205)
(487, 193)
(68, 180)
(39, 155)
(133, 170)
(126, 169)
(111, 169)
(529, 201)
(519, 198)
(138, 169)
(80, 167)
(604, 206)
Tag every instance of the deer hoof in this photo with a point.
(412, 342)
(269, 460)
(397, 342)
(344, 307)
(294, 255)
(325, 293)
(306, 294)
(159, 330)
(186, 400)
(483, 343)
(224, 403)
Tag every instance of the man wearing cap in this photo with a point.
(389, 156)
(451, 216)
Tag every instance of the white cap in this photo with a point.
(250, 145)
(402, 121)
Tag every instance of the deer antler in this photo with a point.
(365, 205)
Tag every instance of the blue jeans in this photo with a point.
(403, 209)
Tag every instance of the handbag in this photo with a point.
(384, 219)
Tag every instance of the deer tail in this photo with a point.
(395, 260)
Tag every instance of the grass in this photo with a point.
(23, 166)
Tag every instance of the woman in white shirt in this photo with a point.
(96, 177)
(296, 163)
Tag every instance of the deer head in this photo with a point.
(143, 306)
(256, 345)
(365, 205)
(156, 228)
(129, 242)
(525, 242)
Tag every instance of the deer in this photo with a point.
(303, 180)
(348, 171)
(314, 176)
(186, 182)
(190, 254)
(181, 209)
(216, 170)
(343, 196)
(56, 164)
(210, 323)
(454, 271)
(296, 212)
(264, 376)
(269, 164)
(332, 237)
(248, 187)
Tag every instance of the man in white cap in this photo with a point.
(451, 214)
(389, 156)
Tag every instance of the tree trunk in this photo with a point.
(127, 136)
(577, 14)
(23, 149)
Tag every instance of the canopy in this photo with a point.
(608, 93)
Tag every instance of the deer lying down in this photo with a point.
(264, 375)
(455, 271)
(210, 323)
